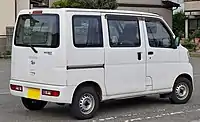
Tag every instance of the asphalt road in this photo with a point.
(148, 109)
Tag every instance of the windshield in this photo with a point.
(38, 31)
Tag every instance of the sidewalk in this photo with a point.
(195, 54)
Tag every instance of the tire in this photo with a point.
(85, 97)
(33, 105)
(182, 91)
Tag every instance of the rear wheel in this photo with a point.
(182, 91)
(33, 104)
(85, 103)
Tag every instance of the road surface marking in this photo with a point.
(4, 93)
(197, 75)
(163, 115)
(137, 119)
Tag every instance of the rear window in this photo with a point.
(38, 31)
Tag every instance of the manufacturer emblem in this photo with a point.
(32, 62)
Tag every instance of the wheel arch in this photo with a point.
(185, 75)
(93, 84)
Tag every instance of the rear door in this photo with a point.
(38, 53)
(85, 51)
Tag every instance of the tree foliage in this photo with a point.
(89, 4)
(179, 23)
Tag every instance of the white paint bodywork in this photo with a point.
(123, 75)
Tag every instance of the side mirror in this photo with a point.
(176, 42)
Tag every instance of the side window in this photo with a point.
(158, 34)
(87, 31)
(123, 32)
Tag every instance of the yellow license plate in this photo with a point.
(33, 93)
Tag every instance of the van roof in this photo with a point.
(95, 10)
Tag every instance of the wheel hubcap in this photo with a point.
(87, 103)
(182, 91)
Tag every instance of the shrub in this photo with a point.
(89, 4)
(190, 45)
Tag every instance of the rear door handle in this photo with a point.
(150, 53)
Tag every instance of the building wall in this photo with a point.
(7, 12)
(9, 19)
(192, 11)
(192, 5)
(23, 4)
(165, 13)
(151, 2)
(50, 2)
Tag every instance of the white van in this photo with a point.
(82, 57)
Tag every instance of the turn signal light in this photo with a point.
(50, 93)
(16, 87)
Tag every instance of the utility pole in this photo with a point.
(16, 9)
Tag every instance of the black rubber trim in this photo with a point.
(164, 5)
(121, 17)
(85, 67)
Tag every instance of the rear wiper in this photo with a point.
(34, 50)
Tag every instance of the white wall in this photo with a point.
(7, 12)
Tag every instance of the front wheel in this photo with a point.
(182, 91)
(85, 103)
(33, 104)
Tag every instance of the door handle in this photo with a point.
(150, 53)
(139, 55)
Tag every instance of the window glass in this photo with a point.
(87, 31)
(124, 33)
(193, 24)
(158, 34)
(38, 31)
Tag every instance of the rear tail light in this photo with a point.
(50, 93)
(16, 87)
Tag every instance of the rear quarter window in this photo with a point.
(87, 31)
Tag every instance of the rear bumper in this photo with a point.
(66, 92)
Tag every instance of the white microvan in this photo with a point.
(82, 57)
